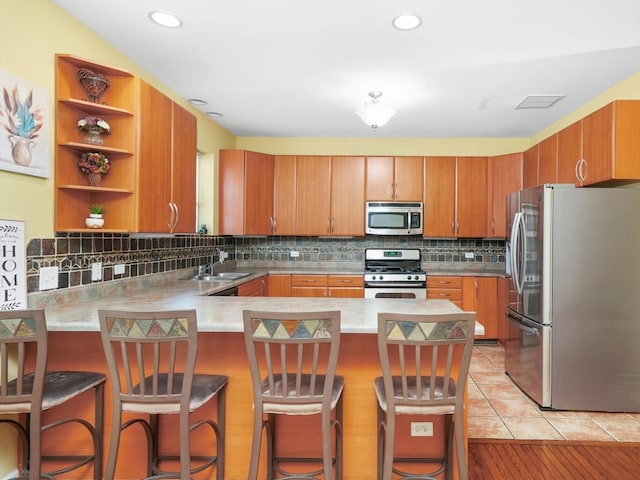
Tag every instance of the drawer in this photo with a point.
(346, 280)
(453, 294)
(444, 282)
(308, 280)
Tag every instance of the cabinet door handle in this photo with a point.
(177, 217)
(172, 216)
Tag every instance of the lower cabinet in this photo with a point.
(480, 295)
(471, 294)
(340, 286)
(254, 288)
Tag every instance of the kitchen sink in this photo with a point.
(221, 276)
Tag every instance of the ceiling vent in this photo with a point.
(539, 101)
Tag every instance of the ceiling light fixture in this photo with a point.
(165, 19)
(197, 102)
(215, 114)
(407, 22)
(374, 113)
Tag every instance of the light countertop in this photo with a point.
(222, 313)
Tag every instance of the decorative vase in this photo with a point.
(94, 220)
(95, 179)
(21, 149)
(94, 136)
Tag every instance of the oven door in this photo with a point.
(395, 292)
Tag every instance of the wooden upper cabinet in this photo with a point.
(504, 177)
(548, 160)
(569, 152)
(347, 196)
(183, 166)
(611, 143)
(530, 167)
(258, 187)
(394, 178)
(245, 193)
(155, 210)
(166, 165)
(313, 190)
(471, 197)
(284, 195)
(439, 197)
(119, 107)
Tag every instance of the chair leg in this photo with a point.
(327, 454)
(34, 460)
(449, 438)
(185, 452)
(339, 439)
(256, 443)
(221, 429)
(271, 446)
(463, 473)
(380, 441)
(389, 445)
(99, 431)
(114, 443)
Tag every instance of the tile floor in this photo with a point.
(498, 409)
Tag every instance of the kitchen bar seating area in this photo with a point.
(221, 348)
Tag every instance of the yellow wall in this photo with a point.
(31, 33)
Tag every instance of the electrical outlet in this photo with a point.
(294, 254)
(422, 429)
(468, 255)
(96, 271)
(48, 278)
(225, 255)
(118, 269)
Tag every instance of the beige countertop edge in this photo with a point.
(224, 314)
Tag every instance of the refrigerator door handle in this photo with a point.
(517, 252)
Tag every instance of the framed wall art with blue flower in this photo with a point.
(24, 127)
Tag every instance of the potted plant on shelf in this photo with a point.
(95, 164)
(95, 220)
(95, 127)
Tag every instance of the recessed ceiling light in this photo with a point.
(215, 114)
(407, 22)
(539, 101)
(165, 19)
(197, 102)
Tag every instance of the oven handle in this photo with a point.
(517, 322)
(395, 285)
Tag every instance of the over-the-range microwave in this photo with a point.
(393, 218)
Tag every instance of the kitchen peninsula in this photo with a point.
(75, 343)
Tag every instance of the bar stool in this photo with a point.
(151, 358)
(425, 361)
(34, 391)
(292, 360)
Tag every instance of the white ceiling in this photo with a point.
(300, 68)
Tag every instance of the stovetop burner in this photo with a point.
(393, 265)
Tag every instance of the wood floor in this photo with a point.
(550, 460)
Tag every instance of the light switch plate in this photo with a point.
(96, 271)
(468, 255)
(118, 269)
(48, 278)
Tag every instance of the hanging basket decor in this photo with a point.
(95, 165)
(94, 84)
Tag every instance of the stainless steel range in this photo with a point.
(394, 273)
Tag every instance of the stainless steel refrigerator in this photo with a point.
(574, 302)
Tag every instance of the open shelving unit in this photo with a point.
(118, 106)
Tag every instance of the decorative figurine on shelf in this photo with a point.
(95, 220)
(94, 84)
(94, 127)
(95, 164)
(203, 229)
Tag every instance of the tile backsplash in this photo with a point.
(75, 253)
